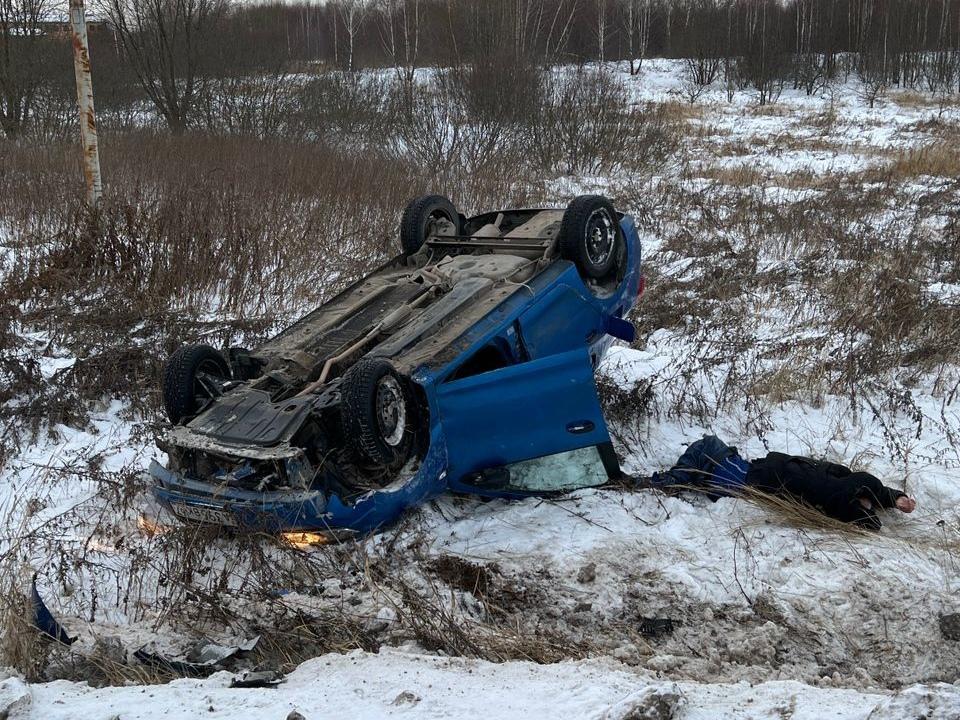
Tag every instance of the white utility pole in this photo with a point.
(88, 120)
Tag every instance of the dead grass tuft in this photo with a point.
(941, 159)
(771, 110)
(683, 111)
(743, 175)
(913, 99)
(22, 646)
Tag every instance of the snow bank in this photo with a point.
(400, 684)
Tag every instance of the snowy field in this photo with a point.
(546, 608)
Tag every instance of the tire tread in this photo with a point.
(571, 229)
(179, 374)
(358, 412)
(411, 223)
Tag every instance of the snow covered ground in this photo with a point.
(395, 683)
(769, 618)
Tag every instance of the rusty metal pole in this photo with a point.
(88, 120)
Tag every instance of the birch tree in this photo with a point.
(352, 13)
(637, 15)
(400, 36)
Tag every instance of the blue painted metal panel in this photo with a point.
(308, 510)
(520, 412)
(563, 319)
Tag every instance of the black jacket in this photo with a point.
(833, 489)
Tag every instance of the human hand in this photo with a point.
(906, 504)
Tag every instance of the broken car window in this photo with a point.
(562, 472)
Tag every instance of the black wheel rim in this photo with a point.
(600, 238)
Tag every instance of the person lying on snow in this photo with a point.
(712, 465)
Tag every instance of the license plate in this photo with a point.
(204, 514)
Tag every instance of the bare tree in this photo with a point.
(400, 35)
(164, 40)
(637, 16)
(560, 25)
(352, 15)
(810, 66)
(873, 58)
(22, 45)
(763, 63)
(702, 46)
(601, 30)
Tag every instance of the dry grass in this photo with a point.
(913, 99)
(771, 110)
(734, 148)
(743, 175)
(748, 175)
(941, 159)
(845, 272)
(683, 111)
(22, 646)
(790, 142)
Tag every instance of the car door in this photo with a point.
(527, 410)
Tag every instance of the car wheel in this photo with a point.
(378, 412)
(191, 378)
(590, 236)
(419, 217)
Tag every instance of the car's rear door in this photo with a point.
(526, 410)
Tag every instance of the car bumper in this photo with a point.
(197, 501)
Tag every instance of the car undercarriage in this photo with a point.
(335, 403)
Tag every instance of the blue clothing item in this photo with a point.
(44, 621)
(710, 464)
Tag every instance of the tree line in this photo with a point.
(171, 52)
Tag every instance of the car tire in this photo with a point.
(377, 412)
(590, 236)
(182, 395)
(418, 217)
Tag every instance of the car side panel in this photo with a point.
(563, 319)
(523, 411)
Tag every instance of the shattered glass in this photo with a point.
(562, 472)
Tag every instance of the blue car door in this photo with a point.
(526, 410)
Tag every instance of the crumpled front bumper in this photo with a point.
(200, 501)
(194, 500)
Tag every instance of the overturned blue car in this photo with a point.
(466, 363)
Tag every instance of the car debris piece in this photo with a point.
(258, 679)
(489, 326)
(43, 619)
(200, 661)
(207, 653)
(654, 627)
(148, 655)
